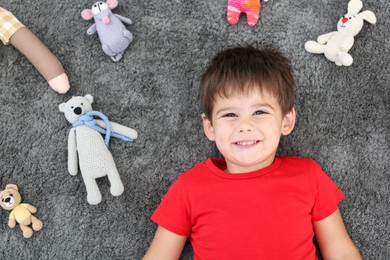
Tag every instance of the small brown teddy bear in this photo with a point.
(10, 199)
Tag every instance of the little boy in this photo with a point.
(251, 204)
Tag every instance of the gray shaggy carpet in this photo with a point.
(343, 117)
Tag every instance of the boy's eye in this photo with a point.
(229, 115)
(259, 112)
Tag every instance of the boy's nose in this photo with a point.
(245, 126)
(245, 130)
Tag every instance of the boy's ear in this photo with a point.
(208, 128)
(288, 122)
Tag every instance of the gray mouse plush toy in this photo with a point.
(88, 150)
(115, 38)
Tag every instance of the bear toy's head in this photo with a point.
(76, 106)
(10, 197)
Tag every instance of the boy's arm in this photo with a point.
(334, 240)
(165, 245)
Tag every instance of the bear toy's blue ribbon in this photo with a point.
(88, 120)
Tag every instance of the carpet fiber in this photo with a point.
(342, 117)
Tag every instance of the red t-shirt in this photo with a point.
(265, 214)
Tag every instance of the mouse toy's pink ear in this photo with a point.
(112, 3)
(87, 14)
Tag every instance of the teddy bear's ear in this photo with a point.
(11, 186)
(89, 97)
(61, 107)
(354, 6)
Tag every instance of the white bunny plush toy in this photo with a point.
(335, 45)
(86, 148)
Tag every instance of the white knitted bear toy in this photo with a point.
(335, 45)
(88, 150)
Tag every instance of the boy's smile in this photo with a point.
(247, 128)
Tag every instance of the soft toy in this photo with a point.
(250, 7)
(14, 32)
(335, 45)
(10, 199)
(115, 38)
(87, 149)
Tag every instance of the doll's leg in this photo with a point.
(345, 58)
(107, 50)
(252, 17)
(93, 193)
(128, 35)
(234, 11)
(114, 56)
(252, 10)
(36, 223)
(27, 232)
(116, 182)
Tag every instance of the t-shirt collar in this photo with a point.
(217, 166)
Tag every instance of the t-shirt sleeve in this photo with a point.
(173, 213)
(328, 195)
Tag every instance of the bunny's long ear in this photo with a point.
(354, 6)
(368, 16)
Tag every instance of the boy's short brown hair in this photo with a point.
(239, 70)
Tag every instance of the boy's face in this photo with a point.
(247, 129)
